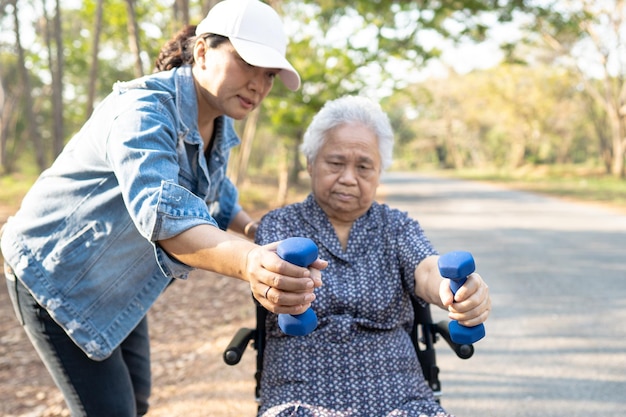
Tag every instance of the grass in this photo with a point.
(13, 187)
(575, 183)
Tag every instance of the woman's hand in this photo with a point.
(282, 287)
(471, 304)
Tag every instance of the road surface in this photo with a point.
(556, 339)
(555, 344)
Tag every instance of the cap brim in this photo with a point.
(265, 57)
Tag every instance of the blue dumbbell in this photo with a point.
(456, 266)
(300, 251)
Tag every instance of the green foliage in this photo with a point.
(347, 47)
(576, 182)
(507, 117)
(14, 187)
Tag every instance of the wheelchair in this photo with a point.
(425, 334)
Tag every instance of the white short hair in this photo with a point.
(345, 110)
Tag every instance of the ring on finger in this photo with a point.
(267, 291)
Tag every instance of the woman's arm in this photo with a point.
(209, 248)
(243, 224)
(471, 304)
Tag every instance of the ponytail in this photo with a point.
(178, 51)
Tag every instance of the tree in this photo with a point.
(13, 141)
(95, 49)
(590, 36)
(32, 120)
(181, 11)
(54, 44)
(133, 37)
(339, 47)
(357, 47)
(508, 116)
(8, 102)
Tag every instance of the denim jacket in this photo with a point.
(84, 239)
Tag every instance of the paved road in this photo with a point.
(556, 339)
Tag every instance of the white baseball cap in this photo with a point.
(256, 32)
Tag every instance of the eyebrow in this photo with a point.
(360, 159)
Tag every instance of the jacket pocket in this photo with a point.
(74, 255)
(78, 246)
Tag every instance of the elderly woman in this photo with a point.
(360, 361)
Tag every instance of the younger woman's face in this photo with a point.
(227, 84)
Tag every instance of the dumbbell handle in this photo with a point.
(302, 252)
(456, 266)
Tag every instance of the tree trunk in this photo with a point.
(617, 139)
(619, 150)
(54, 44)
(56, 69)
(9, 145)
(247, 139)
(296, 166)
(4, 131)
(28, 99)
(618, 160)
(133, 37)
(208, 5)
(95, 49)
(181, 12)
(450, 138)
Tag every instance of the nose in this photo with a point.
(348, 174)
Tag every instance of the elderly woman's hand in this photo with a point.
(282, 287)
(471, 304)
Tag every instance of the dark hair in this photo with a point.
(178, 51)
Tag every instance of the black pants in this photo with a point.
(117, 386)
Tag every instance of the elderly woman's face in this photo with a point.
(346, 172)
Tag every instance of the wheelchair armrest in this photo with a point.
(237, 346)
(464, 351)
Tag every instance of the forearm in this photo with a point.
(244, 224)
(428, 281)
(209, 248)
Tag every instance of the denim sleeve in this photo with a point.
(178, 209)
(141, 148)
(226, 208)
(170, 267)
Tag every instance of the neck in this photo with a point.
(342, 230)
(206, 132)
(206, 118)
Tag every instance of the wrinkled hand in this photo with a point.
(280, 286)
(471, 305)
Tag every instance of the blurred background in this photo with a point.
(529, 94)
(524, 91)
